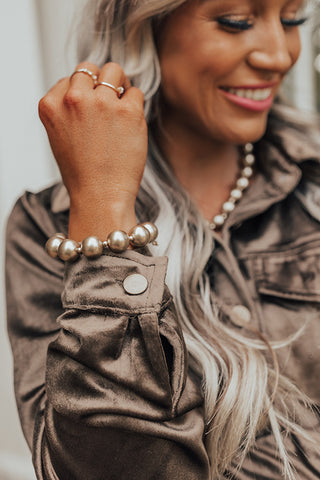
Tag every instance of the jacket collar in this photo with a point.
(295, 146)
(281, 162)
(282, 159)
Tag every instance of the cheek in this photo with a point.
(199, 63)
(181, 69)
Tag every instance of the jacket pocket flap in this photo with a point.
(292, 273)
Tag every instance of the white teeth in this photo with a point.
(257, 94)
(241, 93)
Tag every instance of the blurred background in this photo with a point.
(37, 48)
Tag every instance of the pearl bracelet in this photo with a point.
(59, 246)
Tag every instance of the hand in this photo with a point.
(99, 142)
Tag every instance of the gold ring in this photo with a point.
(119, 90)
(87, 72)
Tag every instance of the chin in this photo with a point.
(246, 135)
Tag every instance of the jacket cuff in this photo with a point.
(104, 283)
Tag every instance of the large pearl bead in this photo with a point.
(228, 207)
(247, 172)
(139, 236)
(242, 183)
(69, 250)
(249, 160)
(53, 244)
(152, 229)
(60, 235)
(118, 241)
(92, 247)
(236, 194)
(219, 220)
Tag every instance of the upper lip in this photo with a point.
(252, 86)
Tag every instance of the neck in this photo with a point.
(207, 169)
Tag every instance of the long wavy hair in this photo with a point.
(243, 391)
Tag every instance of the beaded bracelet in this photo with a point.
(58, 246)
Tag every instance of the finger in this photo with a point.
(54, 96)
(134, 96)
(84, 75)
(62, 85)
(113, 74)
(50, 103)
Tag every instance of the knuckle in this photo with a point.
(131, 111)
(73, 98)
(127, 109)
(101, 102)
(46, 107)
(138, 94)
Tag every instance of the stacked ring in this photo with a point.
(119, 90)
(87, 72)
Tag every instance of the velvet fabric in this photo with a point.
(101, 377)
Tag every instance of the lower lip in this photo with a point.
(248, 103)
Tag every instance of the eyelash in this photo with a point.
(242, 25)
(234, 24)
(294, 22)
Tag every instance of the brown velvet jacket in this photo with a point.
(101, 376)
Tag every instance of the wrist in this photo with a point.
(99, 218)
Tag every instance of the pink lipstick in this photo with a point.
(255, 98)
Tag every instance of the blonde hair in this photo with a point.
(122, 31)
(239, 383)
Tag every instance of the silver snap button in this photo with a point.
(241, 315)
(135, 284)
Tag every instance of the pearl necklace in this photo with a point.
(236, 193)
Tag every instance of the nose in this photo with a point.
(272, 52)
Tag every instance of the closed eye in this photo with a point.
(293, 22)
(231, 24)
(242, 25)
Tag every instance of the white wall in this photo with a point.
(304, 75)
(32, 59)
(33, 35)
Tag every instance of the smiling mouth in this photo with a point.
(257, 94)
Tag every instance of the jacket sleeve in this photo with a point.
(101, 376)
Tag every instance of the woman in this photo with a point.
(211, 382)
